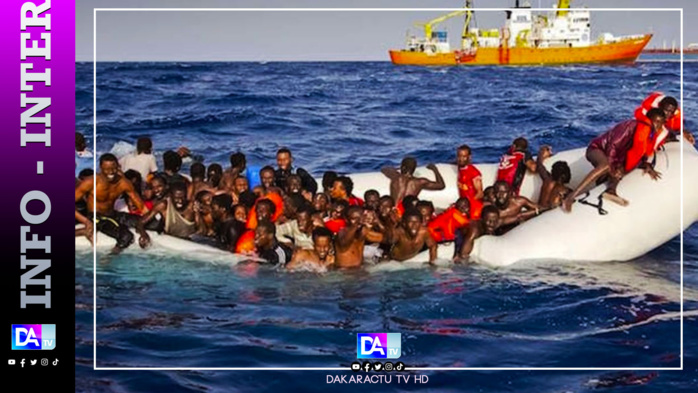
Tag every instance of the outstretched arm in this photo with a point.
(543, 153)
(144, 239)
(431, 244)
(427, 184)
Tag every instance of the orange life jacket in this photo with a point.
(444, 226)
(278, 202)
(245, 243)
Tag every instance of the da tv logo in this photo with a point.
(378, 345)
(33, 337)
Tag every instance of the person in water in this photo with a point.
(411, 237)
(554, 188)
(203, 213)
(284, 160)
(403, 182)
(445, 226)
(322, 253)
(487, 225)
(350, 241)
(512, 209)
(297, 232)
(608, 153)
(228, 229)
(514, 164)
(180, 220)
(268, 248)
(110, 185)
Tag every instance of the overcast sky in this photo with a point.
(334, 35)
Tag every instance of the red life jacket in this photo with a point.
(444, 226)
(355, 201)
(245, 243)
(673, 124)
(509, 169)
(335, 225)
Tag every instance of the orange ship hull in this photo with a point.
(625, 51)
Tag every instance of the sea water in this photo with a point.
(178, 311)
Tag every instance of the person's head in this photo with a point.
(214, 172)
(463, 155)
(339, 209)
(248, 199)
(463, 206)
(354, 215)
(80, 144)
(490, 219)
(322, 242)
(284, 159)
(502, 193)
(109, 167)
(668, 105)
(172, 161)
(241, 184)
(158, 185)
(320, 202)
(292, 203)
(412, 221)
(385, 206)
(134, 177)
(205, 199)
(87, 172)
(267, 177)
(488, 194)
(265, 235)
(410, 202)
(144, 145)
(197, 171)
(371, 198)
(238, 161)
(294, 185)
(265, 209)
(342, 188)
(520, 144)
(240, 212)
(561, 172)
(221, 205)
(328, 179)
(657, 117)
(426, 209)
(304, 217)
(178, 192)
(408, 166)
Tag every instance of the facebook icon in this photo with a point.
(378, 345)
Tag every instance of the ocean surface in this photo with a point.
(156, 310)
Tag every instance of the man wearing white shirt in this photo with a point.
(142, 160)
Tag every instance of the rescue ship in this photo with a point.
(562, 37)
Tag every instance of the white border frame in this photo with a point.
(94, 249)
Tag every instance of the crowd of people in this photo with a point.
(282, 216)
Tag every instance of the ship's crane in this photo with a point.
(563, 6)
(428, 26)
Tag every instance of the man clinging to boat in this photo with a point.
(403, 183)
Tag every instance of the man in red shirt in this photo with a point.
(469, 180)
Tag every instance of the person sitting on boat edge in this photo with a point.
(674, 118)
(554, 189)
(411, 237)
(608, 153)
(268, 247)
(142, 160)
(322, 253)
(284, 160)
(486, 225)
(469, 180)
(513, 209)
(403, 183)
(514, 163)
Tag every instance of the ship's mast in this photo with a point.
(466, 26)
(563, 7)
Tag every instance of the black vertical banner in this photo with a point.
(38, 129)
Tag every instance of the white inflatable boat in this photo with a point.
(652, 218)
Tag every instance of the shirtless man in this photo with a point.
(198, 180)
(214, 173)
(180, 220)
(238, 163)
(512, 209)
(554, 189)
(411, 237)
(110, 185)
(403, 182)
(350, 241)
(322, 253)
(487, 225)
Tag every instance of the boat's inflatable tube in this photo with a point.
(652, 218)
